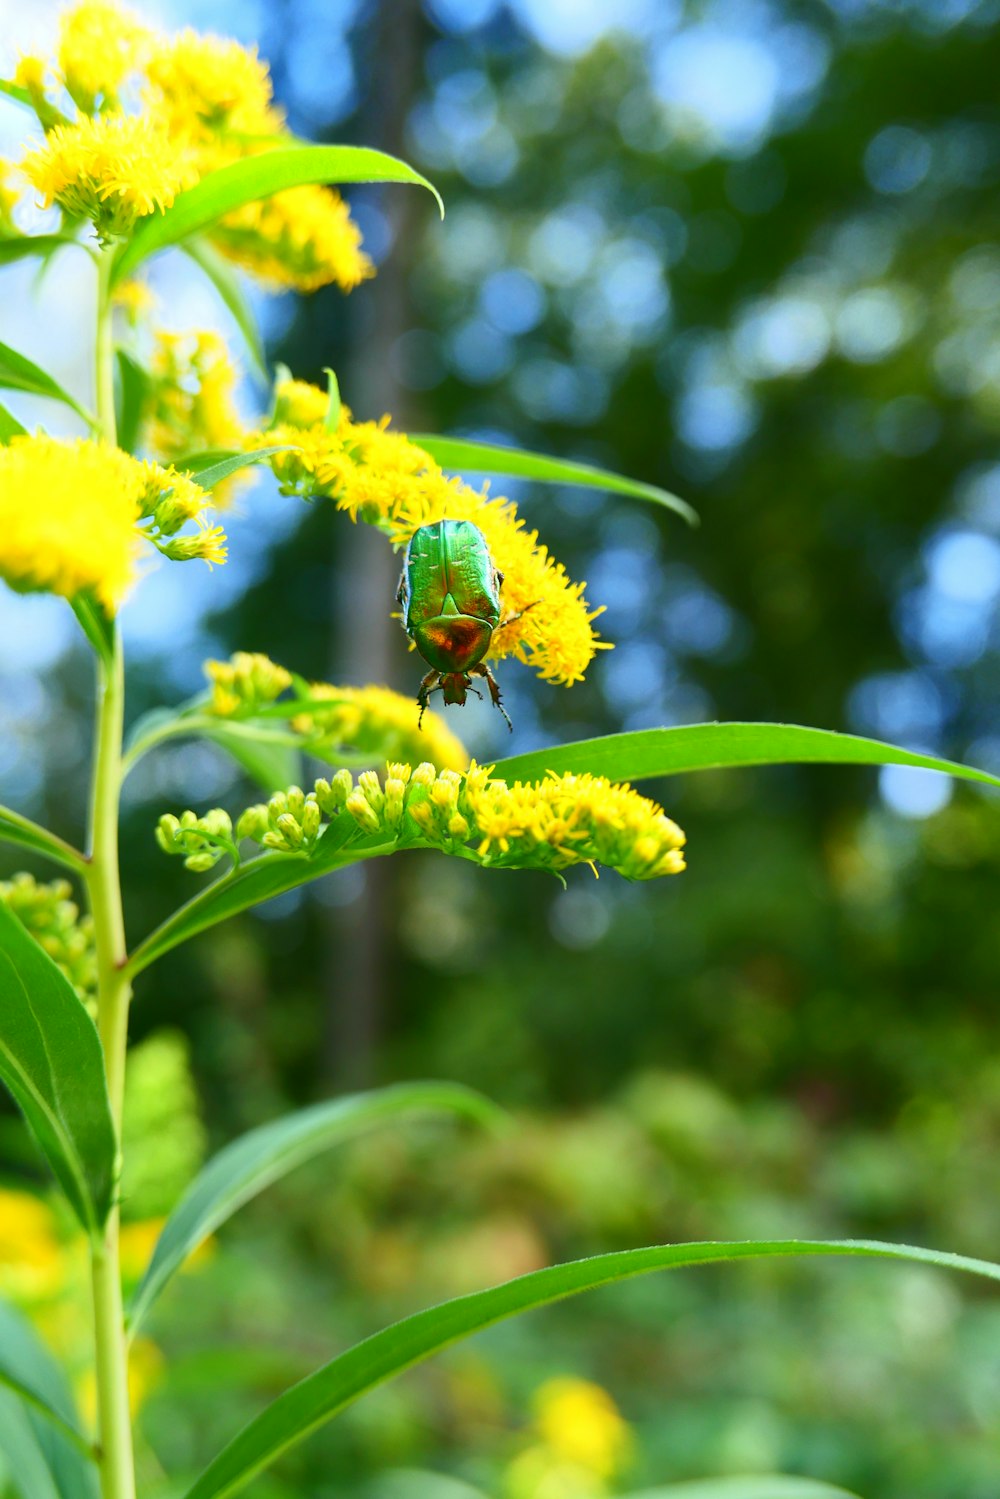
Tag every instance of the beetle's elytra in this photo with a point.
(450, 597)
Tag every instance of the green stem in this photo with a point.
(116, 1463)
(105, 351)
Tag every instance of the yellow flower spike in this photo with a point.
(100, 44)
(560, 822)
(192, 404)
(299, 239)
(384, 479)
(300, 404)
(113, 169)
(371, 721)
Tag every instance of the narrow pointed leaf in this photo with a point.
(260, 176)
(711, 746)
(10, 426)
(23, 246)
(257, 880)
(27, 834)
(95, 624)
(491, 458)
(759, 1486)
(209, 469)
(131, 391)
(307, 1405)
(51, 1060)
(29, 1371)
(17, 372)
(47, 113)
(227, 283)
(268, 753)
(243, 1170)
(22, 1459)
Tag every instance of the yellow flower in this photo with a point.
(580, 1423)
(100, 44)
(71, 514)
(383, 478)
(205, 84)
(369, 722)
(114, 169)
(379, 722)
(302, 238)
(216, 95)
(134, 297)
(561, 821)
(32, 1258)
(192, 402)
(10, 195)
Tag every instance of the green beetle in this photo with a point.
(450, 597)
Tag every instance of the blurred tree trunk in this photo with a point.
(368, 646)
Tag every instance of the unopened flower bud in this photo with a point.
(332, 795)
(363, 812)
(252, 824)
(369, 785)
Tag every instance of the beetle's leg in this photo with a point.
(482, 670)
(429, 684)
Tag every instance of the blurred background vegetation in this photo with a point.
(751, 252)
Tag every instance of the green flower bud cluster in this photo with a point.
(201, 841)
(53, 918)
(290, 822)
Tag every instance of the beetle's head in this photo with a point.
(454, 686)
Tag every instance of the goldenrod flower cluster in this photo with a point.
(245, 684)
(191, 402)
(374, 723)
(206, 101)
(111, 168)
(100, 45)
(53, 918)
(383, 478)
(559, 822)
(73, 517)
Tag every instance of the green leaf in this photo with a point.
(21, 246)
(131, 392)
(27, 834)
(29, 1370)
(17, 372)
(10, 426)
(259, 176)
(243, 1170)
(257, 880)
(51, 1060)
(759, 1486)
(209, 469)
(227, 284)
(332, 419)
(489, 458)
(270, 756)
(22, 1460)
(307, 1405)
(711, 746)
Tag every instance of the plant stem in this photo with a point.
(114, 1421)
